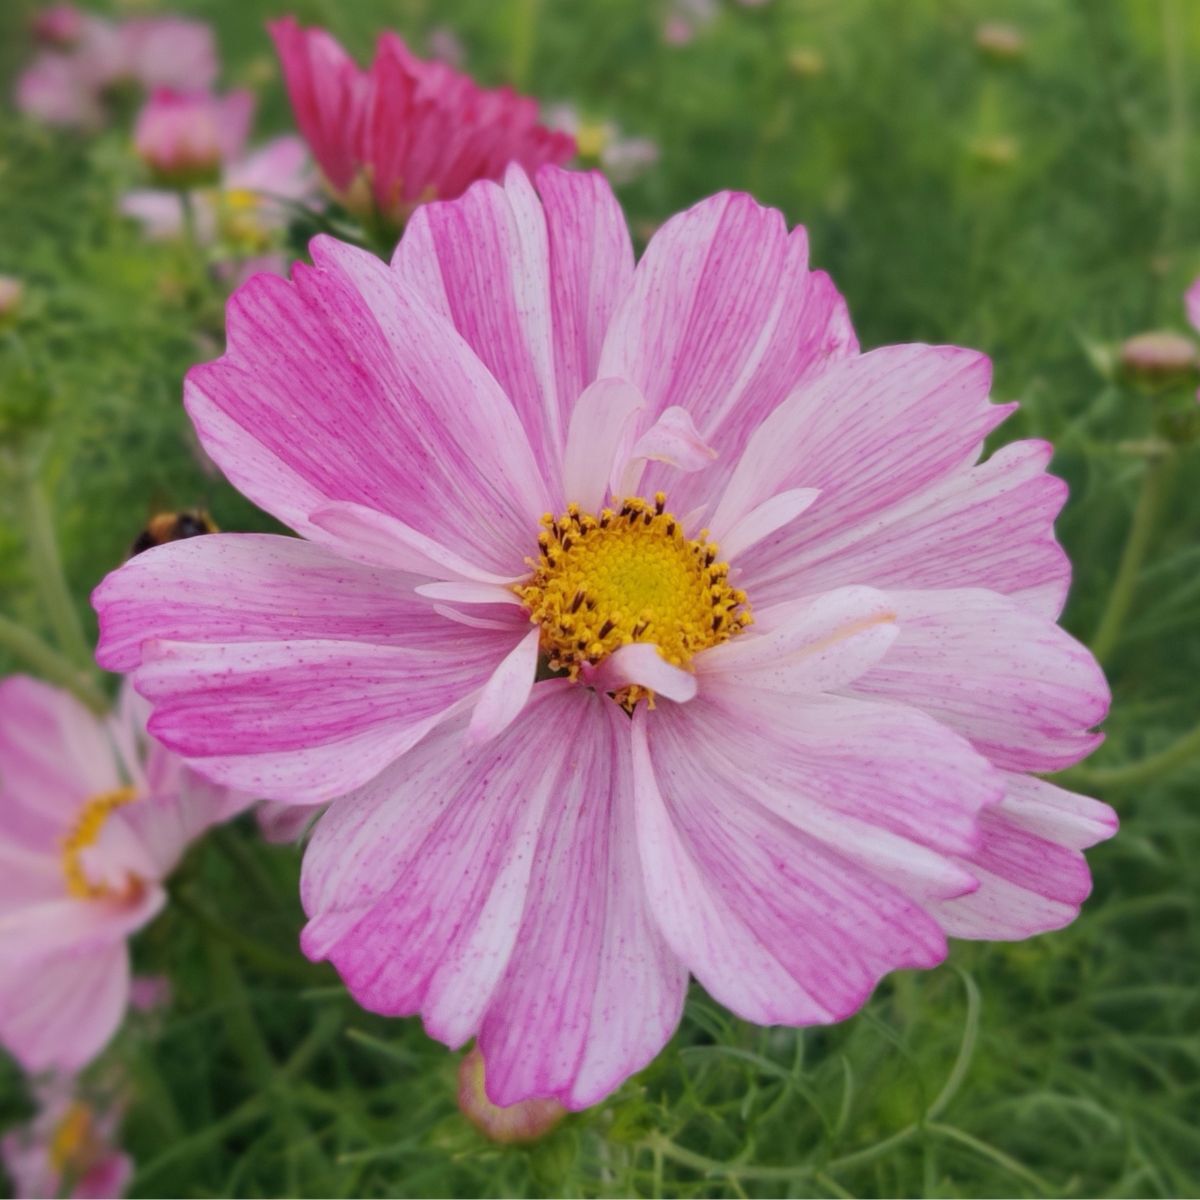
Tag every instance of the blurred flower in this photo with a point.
(184, 138)
(93, 816)
(1158, 355)
(282, 823)
(405, 131)
(525, 1121)
(446, 46)
(69, 87)
(601, 143)
(1000, 42)
(806, 62)
(150, 993)
(244, 216)
(12, 291)
(564, 767)
(686, 18)
(1000, 150)
(68, 1149)
(60, 26)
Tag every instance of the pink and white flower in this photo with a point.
(94, 815)
(69, 1148)
(787, 767)
(68, 86)
(59, 25)
(184, 138)
(404, 131)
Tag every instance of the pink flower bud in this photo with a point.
(12, 291)
(60, 25)
(185, 138)
(1158, 354)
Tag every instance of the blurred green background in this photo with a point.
(1042, 206)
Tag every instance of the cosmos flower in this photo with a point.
(184, 138)
(69, 85)
(247, 210)
(405, 130)
(58, 25)
(638, 625)
(93, 816)
(1191, 302)
(69, 1148)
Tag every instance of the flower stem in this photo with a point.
(50, 579)
(1141, 529)
(25, 645)
(524, 27)
(1135, 774)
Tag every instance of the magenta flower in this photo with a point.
(184, 138)
(93, 816)
(68, 1149)
(788, 765)
(404, 131)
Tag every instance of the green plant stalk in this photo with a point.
(524, 27)
(1141, 531)
(1135, 774)
(22, 643)
(50, 579)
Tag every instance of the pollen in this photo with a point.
(83, 834)
(628, 575)
(74, 1145)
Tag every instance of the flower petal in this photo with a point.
(762, 521)
(1019, 687)
(505, 694)
(528, 283)
(777, 925)
(642, 663)
(1032, 876)
(344, 386)
(600, 430)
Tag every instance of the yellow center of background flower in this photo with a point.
(83, 834)
(628, 575)
(73, 1145)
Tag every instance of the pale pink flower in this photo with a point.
(246, 212)
(68, 87)
(69, 1148)
(280, 823)
(787, 809)
(186, 137)
(12, 292)
(404, 131)
(602, 143)
(93, 816)
(686, 18)
(446, 46)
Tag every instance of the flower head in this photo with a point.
(93, 816)
(184, 138)
(59, 25)
(12, 292)
(405, 130)
(69, 1148)
(639, 625)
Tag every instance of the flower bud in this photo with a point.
(523, 1122)
(1158, 355)
(59, 26)
(999, 42)
(12, 290)
(185, 137)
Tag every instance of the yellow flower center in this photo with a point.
(74, 1146)
(239, 218)
(628, 575)
(83, 834)
(591, 138)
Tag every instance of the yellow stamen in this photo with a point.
(83, 834)
(590, 140)
(74, 1145)
(628, 575)
(239, 219)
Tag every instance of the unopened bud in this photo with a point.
(1158, 355)
(59, 26)
(1000, 42)
(185, 137)
(523, 1122)
(12, 291)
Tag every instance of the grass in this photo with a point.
(1042, 210)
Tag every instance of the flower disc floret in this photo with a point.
(628, 575)
(83, 834)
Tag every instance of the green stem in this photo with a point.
(524, 26)
(1141, 530)
(1135, 774)
(49, 577)
(22, 643)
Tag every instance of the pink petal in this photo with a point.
(776, 924)
(723, 319)
(1191, 302)
(278, 168)
(600, 427)
(674, 439)
(160, 213)
(529, 284)
(759, 523)
(1032, 876)
(62, 1013)
(592, 992)
(642, 663)
(505, 694)
(868, 432)
(344, 386)
(814, 645)
(1022, 689)
(281, 823)
(987, 525)
(54, 756)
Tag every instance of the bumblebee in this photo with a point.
(172, 527)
